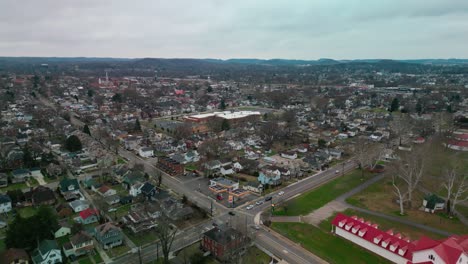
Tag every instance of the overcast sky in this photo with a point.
(301, 29)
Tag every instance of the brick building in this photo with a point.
(170, 166)
(222, 242)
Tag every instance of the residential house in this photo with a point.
(64, 229)
(191, 156)
(20, 175)
(106, 191)
(126, 200)
(40, 195)
(226, 170)
(432, 203)
(175, 210)
(80, 244)
(3, 180)
(170, 166)
(135, 189)
(269, 178)
(255, 187)
(146, 152)
(88, 216)
(5, 203)
(212, 165)
(79, 205)
(14, 256)
(108, 235)
(48, 252)
(63, 210)
(112, 199)
(222, 243)
(138, 221)
(148, 190)
(237, 167)
(54, 170)
(131, 143)
(289, 155)
(69, 185)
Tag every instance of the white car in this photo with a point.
(249, 207)
(280, 193)
(337, 171)
(112, 210)
(259, 202)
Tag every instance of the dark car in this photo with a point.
(268, 198)
(232, 213)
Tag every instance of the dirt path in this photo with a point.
(324, 212)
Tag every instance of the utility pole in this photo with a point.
(139, 255)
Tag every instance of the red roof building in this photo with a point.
(392, 246)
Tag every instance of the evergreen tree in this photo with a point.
(225, 125)
(86, 130)
(28, 159)
(90, 93)
(419, 108)
(395, 105)
(222, 105)
(137, 125)
(73, 144)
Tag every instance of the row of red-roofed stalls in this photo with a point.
(389, 245)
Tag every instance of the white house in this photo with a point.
(289, 155)
(146, 152)
(226, 170)
(48, 252)
(5, 203)
(79, 205)
(62, 231)
(237, 166)
(135, 189)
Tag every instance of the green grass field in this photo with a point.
(317, 198)
(321, 242)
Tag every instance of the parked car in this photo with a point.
(249, 207)
(280, 193)
(259, 202)
(268, 198)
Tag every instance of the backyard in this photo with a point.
(320, 196)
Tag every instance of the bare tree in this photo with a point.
(460, 193)
(401, 126)
(374, 155)
(399, 193)
(166, 234)
(410, 169)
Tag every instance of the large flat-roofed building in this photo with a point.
(199, 122)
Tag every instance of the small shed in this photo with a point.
(432, 203)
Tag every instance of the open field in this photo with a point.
(317, 198)
(379, 197)
(321, 242)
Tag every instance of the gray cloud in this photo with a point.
(302, 29)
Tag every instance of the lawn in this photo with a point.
(379, 197)
(255, 255)
(320, 196)
(121, 161)
(15, 186)
(27, 211)
(190, 167)
(183, 256)
(117, 251)
(331, 248)
(141, 238)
